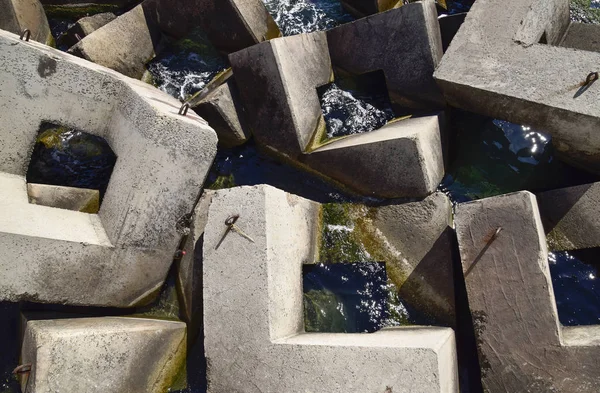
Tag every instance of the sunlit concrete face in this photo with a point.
(505, 263)
(498, 67)
(121, 255)
(253, 312)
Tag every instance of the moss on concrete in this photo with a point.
(77, 11)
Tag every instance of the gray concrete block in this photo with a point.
(103, 355)
(126, 44)
(582, 36)
(18, 15)
(254, 319)
(121, 256)
(222, 109)
(421, 242)
(70, 198)
(89, 24)
(401, 159)
(512, 302)
(496, 67)
(277, 81)
(405, 43)
(571, 217)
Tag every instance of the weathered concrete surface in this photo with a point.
(103, 355)
(277, 81)
(223, 111)
(420, 242)
(254, 328)
(496, 67)
(571, 217)
(126, 44)
(401, 159)
(70, 198)
(122, 255)
(189, 268)
(521, 344)
(583, 36)
(405, 43)
(18, 15)
(84, 27)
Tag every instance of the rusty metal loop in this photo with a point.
(592, 77)
(184, 109)
(232, 220)
(26, 33)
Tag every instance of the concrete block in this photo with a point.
(223, 111)
(405, 43)
(582, 36)
(253, 308)
(496, 66)
(84, 27)
(401, 159)
(571, 217)
(449, 26)
(521, 344)
(125, 44)
(103, 355)
(420, 241)
(277, 81)
(69, 198)
(121, 256)
(231, 25)
(18, 15)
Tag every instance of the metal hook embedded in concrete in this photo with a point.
(487, 245)
(592, 77)
(230, 222)
(26, 33)
(23, 369)
(184, 109)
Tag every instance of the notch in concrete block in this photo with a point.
(70, 198)
(264, 292)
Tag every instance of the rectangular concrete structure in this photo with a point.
(496, 66)
(102, 355)
(522, 346)
(121, 256)
(254, 336)
(18, 15)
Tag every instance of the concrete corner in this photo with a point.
(18, 15)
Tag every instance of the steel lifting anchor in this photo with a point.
(27, 34)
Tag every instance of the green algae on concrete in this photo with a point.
(582, 11)
(77, 11)
(322, 312)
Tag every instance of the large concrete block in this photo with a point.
(401, 159)
(571, 217)
(122, 255)
(222, 109)
(18, 15)
(497, 66)
(522, 346)
(405, 43)
(277, 82)
(102, 355)
(583, 36)
(125, 44)
(254, 319)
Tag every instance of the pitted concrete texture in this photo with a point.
(401, 159)
(420, 240)
(84, 27)
(583, 36)
(126, 44)
(254, 318)
(70, 198)
(405, 43)
(496, 66)
(102, 355)
(122, 255)
(277, 81)
(223, 111)
(571, 217)
(18, 15)
(522, 346)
